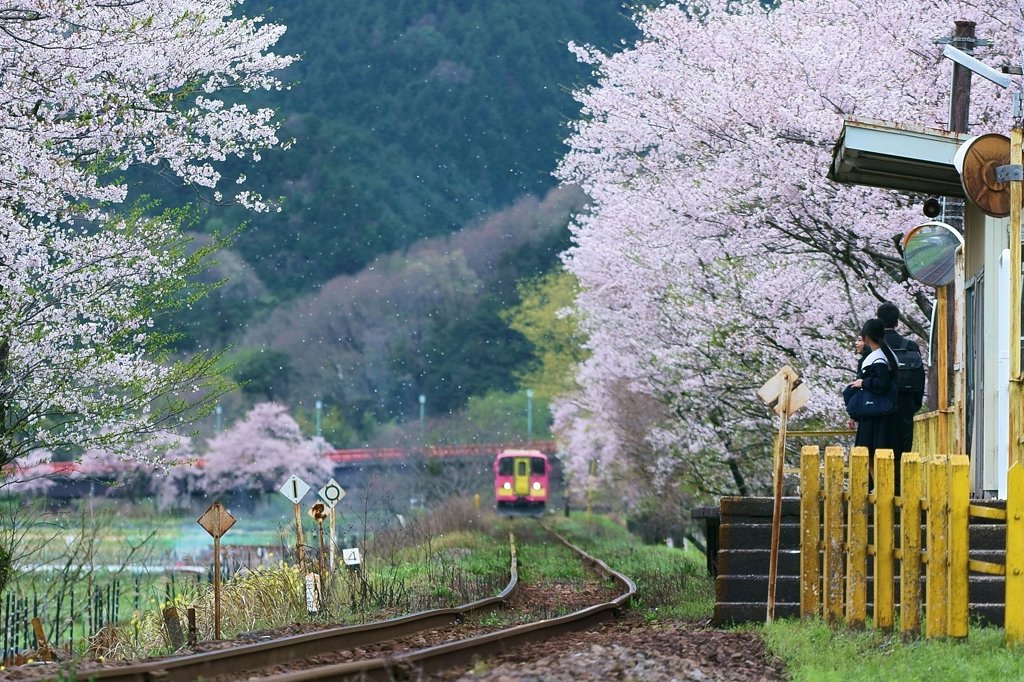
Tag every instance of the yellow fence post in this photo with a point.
(884, 547)
(857, 540)
(810, 531)
(1014, 618)
(910, 543)
(959, 501)
(937, 568)
(833, 589)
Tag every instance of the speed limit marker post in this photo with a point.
(216, 521)
(331, 494)
(295, 489)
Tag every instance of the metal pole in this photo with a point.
(319, 418)
(423, 404)
(217, 423)
(529, 414)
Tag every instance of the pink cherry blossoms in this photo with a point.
(715, 250)
(260, 452)
(90, 89)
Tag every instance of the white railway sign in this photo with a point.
(294, 488)
(332, 493)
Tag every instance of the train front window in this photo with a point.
(505, 466)
(537, 464)
(522, 468)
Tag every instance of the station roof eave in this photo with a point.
(897, 156)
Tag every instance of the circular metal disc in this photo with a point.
(982, 156)
(929, 252)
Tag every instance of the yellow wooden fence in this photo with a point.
(933, 431)
(836, 510)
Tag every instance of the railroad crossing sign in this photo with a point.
(331, 494)
(351, 556)
(294, 489)
(216, 520)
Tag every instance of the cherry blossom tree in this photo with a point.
(155, 469)
(715, 249)
(259, 452)
(92, 89)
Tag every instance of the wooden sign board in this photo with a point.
(216, 520)
(798, 397)
(772, 390)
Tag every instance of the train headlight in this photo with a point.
(536, 485)
(506, 485)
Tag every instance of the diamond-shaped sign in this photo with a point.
(294, 488)
(331, 494)
(216, 520)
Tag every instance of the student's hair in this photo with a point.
(889, 314)
(874, 329)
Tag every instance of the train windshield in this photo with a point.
(505, 466)
(537, 464)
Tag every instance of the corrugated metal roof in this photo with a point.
(897, 156)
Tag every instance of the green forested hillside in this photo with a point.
(412, 117)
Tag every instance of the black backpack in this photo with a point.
(910, 375)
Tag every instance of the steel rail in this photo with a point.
(442, 657)
(288, 649)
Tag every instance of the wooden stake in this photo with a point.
(41, 644)
(193, 631)
(942, 367)
(780, 461)
(216, 588)
(173, 626)
(333, 539)
(300, 551)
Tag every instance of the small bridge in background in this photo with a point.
(383, 457)
(352, 466)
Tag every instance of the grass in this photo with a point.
(439, 559)
(813, 651)
(670, 583)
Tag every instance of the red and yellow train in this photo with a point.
(521, 481)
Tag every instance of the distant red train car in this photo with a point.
(521, 481)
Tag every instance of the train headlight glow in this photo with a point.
(506, 485)
(536, 486)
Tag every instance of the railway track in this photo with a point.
(281, 653)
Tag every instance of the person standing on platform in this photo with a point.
(911, 379)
